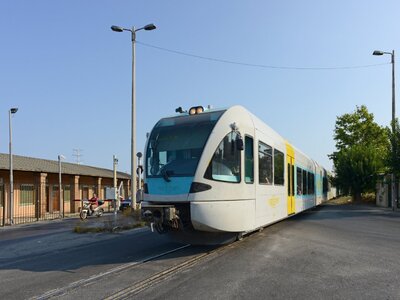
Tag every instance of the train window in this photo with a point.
(279, 167)
(310, 183)
(264, 163)
(305, 186)
(299, 177)
(225, 163)
(325, 185)
(248, 160)
(173, 150)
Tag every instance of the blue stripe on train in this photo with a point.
(177, 185)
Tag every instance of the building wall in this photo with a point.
(36, 195)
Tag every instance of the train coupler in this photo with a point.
(161, 217)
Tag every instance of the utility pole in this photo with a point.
(115, 164)
(77, 153)
(10, 113)
(394, 146)
(133, 31)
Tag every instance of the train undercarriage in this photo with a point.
(174, 220)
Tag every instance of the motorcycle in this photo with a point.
(88, 211)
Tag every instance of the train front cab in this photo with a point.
(213, 196)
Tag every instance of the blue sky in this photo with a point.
(70, 75)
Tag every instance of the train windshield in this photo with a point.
(176, 144)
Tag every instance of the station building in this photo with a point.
(36, 191)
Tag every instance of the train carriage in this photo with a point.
(215, 174)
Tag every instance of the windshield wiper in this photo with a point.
(166, 174)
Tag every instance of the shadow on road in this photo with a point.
(56, 248)
(68, 252)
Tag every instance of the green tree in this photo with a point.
(360, 128)
(362, 152)
(393, 160)
(357, 168)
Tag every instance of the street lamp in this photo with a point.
(60, 190)
(378, 52)
(116, 198)
(133, 128)
(10, 113)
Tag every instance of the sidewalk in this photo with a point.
(56, 226)
(25, 240)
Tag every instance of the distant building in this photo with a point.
(36, 192)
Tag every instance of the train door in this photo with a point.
(290, 179)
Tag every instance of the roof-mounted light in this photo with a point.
(196, 110)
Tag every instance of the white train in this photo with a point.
(212, 175)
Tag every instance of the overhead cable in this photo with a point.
(259, 65)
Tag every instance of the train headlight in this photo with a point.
(196, 110)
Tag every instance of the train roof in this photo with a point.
(261, 125)
(257, 122)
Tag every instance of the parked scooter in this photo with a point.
(87, 211)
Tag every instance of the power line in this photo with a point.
(259, 65)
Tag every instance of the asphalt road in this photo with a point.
(332, 252)
(52, 256)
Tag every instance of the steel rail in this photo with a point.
(159, 277)
(83, 282)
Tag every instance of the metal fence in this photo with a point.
(31, 204)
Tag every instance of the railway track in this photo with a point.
(84, 282)
(159, 277)
(136, 287)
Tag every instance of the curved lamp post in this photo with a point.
(10, 113)
(378, 52)
(133, 31)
